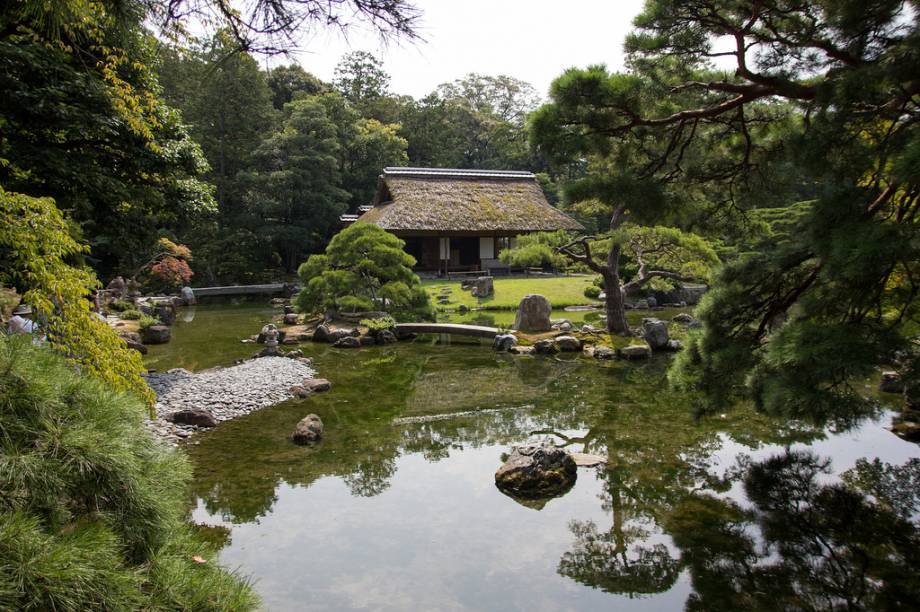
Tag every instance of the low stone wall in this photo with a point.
(226, 393)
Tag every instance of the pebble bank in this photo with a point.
(227, 392)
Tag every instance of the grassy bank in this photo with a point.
(561, 291)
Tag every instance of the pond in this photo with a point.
(397, 509)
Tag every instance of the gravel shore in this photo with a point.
(226, 392)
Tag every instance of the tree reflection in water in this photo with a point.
(802, 543)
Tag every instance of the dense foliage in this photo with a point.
(37, 258)
(820, 105)
(364, 268)
(93, 511)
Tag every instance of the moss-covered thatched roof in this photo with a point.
(444, 200)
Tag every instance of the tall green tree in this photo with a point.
(82, 123)
(288, 81)
(631, 204)
(795, 324)
(504, 97)
(366, 147)
(292, 187)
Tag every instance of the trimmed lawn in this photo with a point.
(561, 291)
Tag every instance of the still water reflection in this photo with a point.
(396, 508)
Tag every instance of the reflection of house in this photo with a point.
(460, 219)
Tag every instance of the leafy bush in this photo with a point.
(378, 325)
(168, 268)
(146, 321)
(35, 254)
(92, 514)
(592, 292)
(537, 250)
(131, 315)
(364, 268)
(121, 305)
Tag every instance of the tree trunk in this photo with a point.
(615, 305)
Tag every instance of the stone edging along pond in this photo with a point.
(222, 393)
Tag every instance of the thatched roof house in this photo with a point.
(460, 219)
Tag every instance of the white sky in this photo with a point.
(532, 40)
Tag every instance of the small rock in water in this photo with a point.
(193, 416)
(587, 459)
(504, 342)
(545, 347)
(604, 352)
(891, 382)
(308, 430)
(317, 385)
(568, 344)
(636, 351)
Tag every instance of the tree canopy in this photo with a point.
(826, 88)
(364, 268)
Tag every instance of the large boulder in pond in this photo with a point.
(655, 332)
(309, 430)
(321, 333)
(199, 417)
(166, 313)
(385, 336)
(155, 334)
(482, 287)
(533, 314)
(537, 470)
(188, 296)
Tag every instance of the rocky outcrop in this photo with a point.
(604, 353)
(155, 334)
(309, 430)
(533, 314)
(545, 347)
(166, 313)
(655, 332)
(482, 287)
(504, 342)
(537, 470)
(347, 342)
(323, 333)
(385, 336)
(567, 344)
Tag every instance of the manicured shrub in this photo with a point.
(146, 321)
(378, 325)
(592, 292)
(92, 514)
(131, 314)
